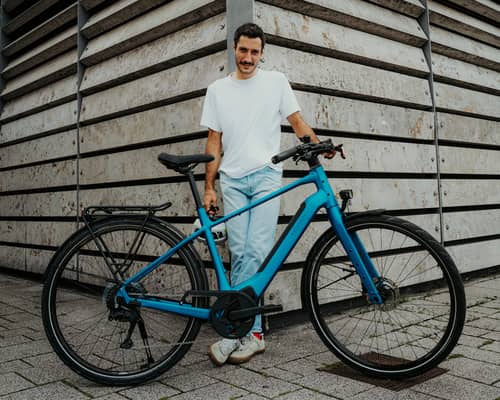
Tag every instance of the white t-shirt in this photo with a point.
(249, 112)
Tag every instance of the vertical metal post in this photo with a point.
(238, 12)
(3, 43)
(82, 17)
(424, 22)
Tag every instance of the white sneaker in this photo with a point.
(250, 346)
(221, 350)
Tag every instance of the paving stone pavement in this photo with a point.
(288, 370)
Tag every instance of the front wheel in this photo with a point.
(91, 331)
(423, 309)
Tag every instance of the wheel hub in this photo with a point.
(110, 296)
(389, 292)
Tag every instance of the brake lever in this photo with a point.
(340, 149)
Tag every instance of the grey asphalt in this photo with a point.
(288, 370)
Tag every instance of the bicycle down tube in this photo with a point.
(323, 197)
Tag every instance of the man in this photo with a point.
(243, 113)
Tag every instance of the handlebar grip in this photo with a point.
(283, 155)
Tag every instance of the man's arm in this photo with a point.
(214, 148)
(301, 129)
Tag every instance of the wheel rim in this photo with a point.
(78, 312)
(415, 323)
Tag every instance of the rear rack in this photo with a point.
(108, 211)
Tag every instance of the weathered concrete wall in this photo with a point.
(363, 76)
(82, 124)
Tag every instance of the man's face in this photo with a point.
(248, 52)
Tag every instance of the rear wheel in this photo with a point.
(423, 308)
(86, 324)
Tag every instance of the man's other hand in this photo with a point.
(210, 201)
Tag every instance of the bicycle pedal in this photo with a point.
(270, 308)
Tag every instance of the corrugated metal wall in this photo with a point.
(94, 90)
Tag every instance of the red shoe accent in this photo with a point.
(258, 335)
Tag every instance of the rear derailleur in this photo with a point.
(121, 312)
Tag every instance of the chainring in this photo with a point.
(219, 315)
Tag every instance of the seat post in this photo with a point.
(194, 189)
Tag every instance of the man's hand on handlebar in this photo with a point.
(336, 148)
(330, 154)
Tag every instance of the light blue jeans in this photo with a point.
(251, 234)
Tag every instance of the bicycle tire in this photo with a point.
(79, 287)
(423, 313)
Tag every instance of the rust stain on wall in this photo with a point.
(417, 128)
(329, 41)
(276, 25)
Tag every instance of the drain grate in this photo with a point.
(395, 385)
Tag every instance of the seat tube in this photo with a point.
(222, 281)
(194, 190)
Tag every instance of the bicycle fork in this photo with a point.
(357, 254)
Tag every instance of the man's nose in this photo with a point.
(247, 57)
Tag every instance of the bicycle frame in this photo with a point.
(323, 197)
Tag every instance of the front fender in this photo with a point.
(378, 211)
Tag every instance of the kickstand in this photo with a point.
(144, 336)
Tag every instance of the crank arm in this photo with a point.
(252, 311)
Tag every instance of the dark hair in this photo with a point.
(250, 30)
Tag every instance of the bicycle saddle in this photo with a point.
(183, 162)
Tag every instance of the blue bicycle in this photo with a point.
(124, 296)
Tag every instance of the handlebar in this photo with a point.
(284, 155)
(307, 151)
